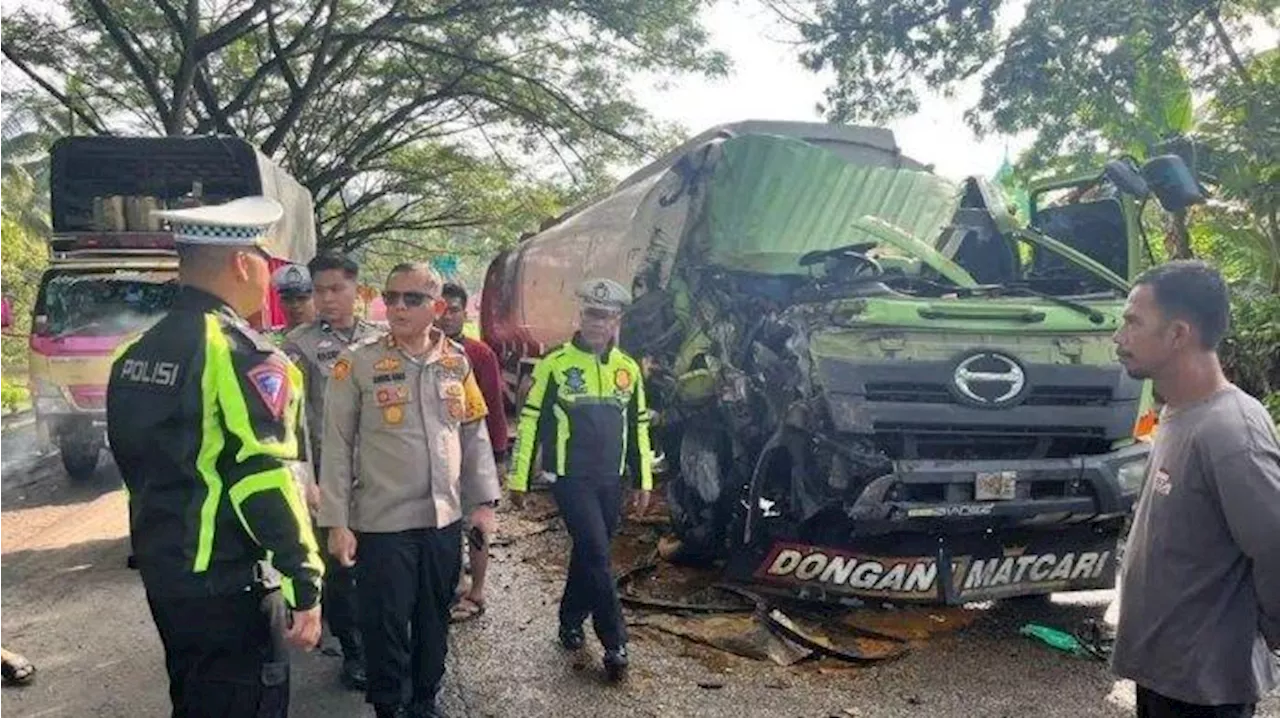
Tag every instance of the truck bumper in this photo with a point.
(948, 569)
(924, 533)
(946, 496)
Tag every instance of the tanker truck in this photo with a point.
(113, 268)
(872, 383)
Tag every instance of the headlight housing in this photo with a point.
(48, 398)
(1132, 475)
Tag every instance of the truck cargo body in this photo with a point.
(114, 269)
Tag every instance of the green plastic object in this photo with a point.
(1054, 638)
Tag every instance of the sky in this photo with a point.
(767, 82)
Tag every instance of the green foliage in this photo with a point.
(1078, 74)
(394, 114)
(25, 256)
(1251, 352)
(13, 396)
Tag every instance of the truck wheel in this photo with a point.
(80, 458)
(694, 495)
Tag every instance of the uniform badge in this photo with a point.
(341, 369)
(387, 364)
(391, 395)
(271, 380)
(574, 381)
(622, 379)
(457, 408)
(393, 414)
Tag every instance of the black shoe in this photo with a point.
(572, 637)
(382, 710)
(353, 675)
(615, 663)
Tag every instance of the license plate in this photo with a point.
(996, 486)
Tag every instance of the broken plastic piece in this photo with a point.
(1054, 638)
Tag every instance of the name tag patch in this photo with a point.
(388, 378)
(160, 374)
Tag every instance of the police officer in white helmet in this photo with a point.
(588, 399)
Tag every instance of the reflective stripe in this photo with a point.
(281, 480)
(211, 441)
(562, 439)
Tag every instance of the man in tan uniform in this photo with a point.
(404, 414)
(315, 347)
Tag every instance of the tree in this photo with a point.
(1070, 71)
(1238, 151)
(353, 95)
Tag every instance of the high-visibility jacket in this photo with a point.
(588, 413)
(204, 417)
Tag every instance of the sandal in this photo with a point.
(16, 669)
(466, 609)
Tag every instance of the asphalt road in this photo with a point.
(71, 606)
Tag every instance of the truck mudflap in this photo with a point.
(950, 569)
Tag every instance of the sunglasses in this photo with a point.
(412, 300)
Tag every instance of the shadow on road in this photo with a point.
(50, 485)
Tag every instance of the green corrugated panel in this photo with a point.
(772, 199)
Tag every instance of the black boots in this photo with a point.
(572, 637)
(353, 675)
(615, 663)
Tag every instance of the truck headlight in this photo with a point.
(1131, 476)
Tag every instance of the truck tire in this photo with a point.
(694, 497)
(79, 458)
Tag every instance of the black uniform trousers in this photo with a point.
(1155, 705)
(226, 655)
(341, 604)
(405, 581)
(591, 507)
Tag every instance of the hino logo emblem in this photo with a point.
(989, 379)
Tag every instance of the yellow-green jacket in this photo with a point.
(589, 415)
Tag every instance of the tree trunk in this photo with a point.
(1177, 240)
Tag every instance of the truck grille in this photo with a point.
(962, 441)
(913, 393)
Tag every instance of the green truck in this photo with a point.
(870, 382)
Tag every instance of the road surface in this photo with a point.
(70, 604)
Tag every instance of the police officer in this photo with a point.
(587, 409)
(315, 347)
(293, 283)
(204, 418)
(404, 414)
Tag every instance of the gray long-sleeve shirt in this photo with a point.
(412, 430)
(1200, 589)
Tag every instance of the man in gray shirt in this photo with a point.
(1200, 588)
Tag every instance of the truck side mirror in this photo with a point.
(1125, 176)
(1172, 182)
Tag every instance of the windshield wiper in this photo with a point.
(1094, 315)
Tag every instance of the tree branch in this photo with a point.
(63, 99)
(1221, 32)
(225, 35)
(148, 79)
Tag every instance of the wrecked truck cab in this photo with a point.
(894, 417)
(873, 383)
